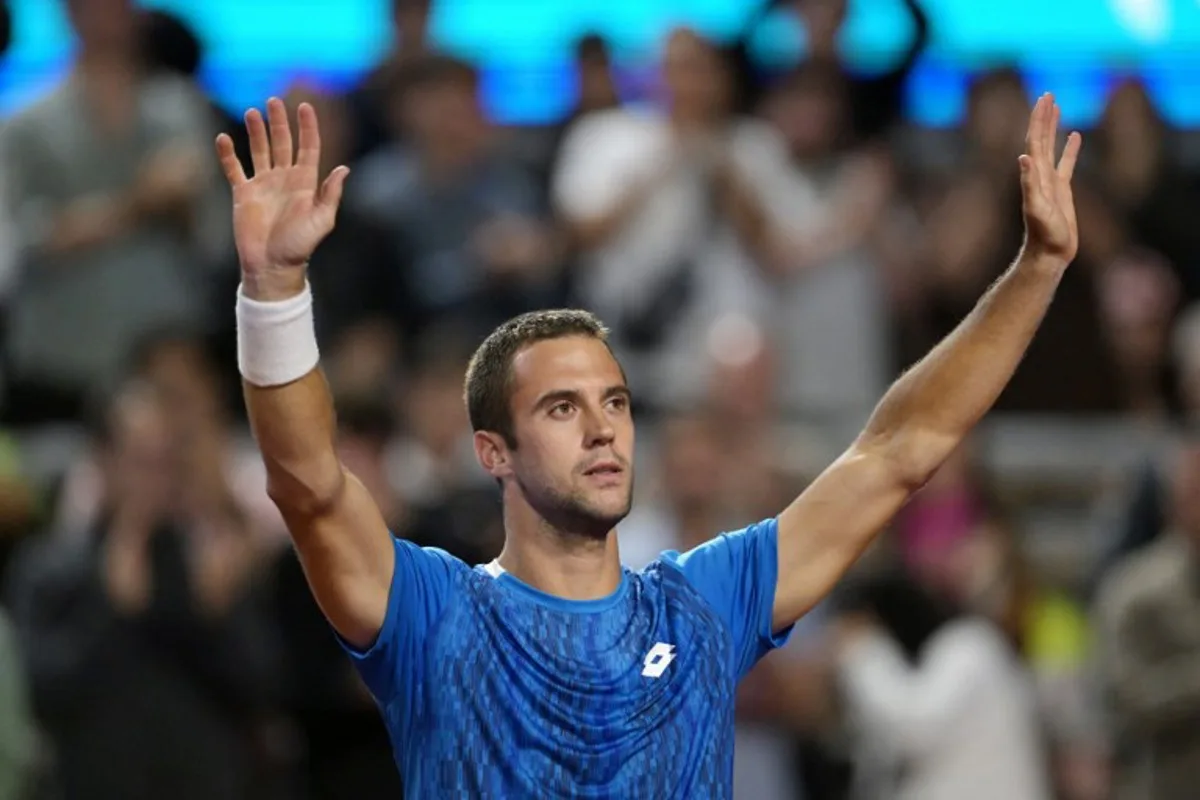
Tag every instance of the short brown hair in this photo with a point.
(488, 386)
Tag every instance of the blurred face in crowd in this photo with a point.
(692, 462)
(1129, 124)
(696, 79)
(434, 406)
(1137, 300)
(142, 461)
(808, 109)
(571, 422)
(596, 87)
(411, 21)
(180, 372)
(823, 20)
(444, 116)
(104, 25)
(996, 116)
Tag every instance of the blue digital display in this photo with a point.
(255, 47)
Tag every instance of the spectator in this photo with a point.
(940, 703)
(147, 662)
(876, 102)
(475, 244)
(665, 207)
(830, 315)
(371, 102)
(109, 174)
(1135, 173)
(1150, 653)
(450, 502)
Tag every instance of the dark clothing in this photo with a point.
(347, 750)
(138, 707)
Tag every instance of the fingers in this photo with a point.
(309, 154)
(281, 133)
(229, 161)
(1034, 136)
(260, 147)
(331, 189)
(1049, 146)
(1066, 165)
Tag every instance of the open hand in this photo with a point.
(279, 216)
(1049, 207)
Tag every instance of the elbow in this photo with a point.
(909, 458)
(306, 493)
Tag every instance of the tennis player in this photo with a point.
(553, 671)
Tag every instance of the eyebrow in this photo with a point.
(572, 395)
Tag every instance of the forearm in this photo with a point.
(934, 404)
(750, 221)
(294, 424)
(85, 223)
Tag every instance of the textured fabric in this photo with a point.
(490, 688)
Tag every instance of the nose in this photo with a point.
(599, 431)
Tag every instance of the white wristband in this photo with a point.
(277, 341)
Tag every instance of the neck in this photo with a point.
(567, 564)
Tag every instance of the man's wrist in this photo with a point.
(275, 285)
(1036, 261)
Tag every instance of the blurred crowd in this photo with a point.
(769, 249)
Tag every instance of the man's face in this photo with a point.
(574, 433)
(105, 24)
(695, 77)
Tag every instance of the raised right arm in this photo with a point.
(280, 217)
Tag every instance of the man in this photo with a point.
(1150, 648)
(551, 670)
(146, 659)
(112, 205)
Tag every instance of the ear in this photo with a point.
(493, 454)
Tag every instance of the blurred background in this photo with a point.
(775, 206)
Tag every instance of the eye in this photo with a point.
(561, 409)
(619, 403)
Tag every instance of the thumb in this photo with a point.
(331, 190)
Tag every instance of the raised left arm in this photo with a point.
(933, 406)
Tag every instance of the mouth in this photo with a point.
(604, 469)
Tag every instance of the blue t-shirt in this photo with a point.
(490, 688)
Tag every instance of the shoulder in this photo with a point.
(46, 110)
(973, 639)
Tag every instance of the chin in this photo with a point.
(602, 514)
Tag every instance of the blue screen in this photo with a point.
(255, 47)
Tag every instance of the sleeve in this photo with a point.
(736, 573)
(422, 584)
(25, 163)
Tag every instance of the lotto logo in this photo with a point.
(658, 659)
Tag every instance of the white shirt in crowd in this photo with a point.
(962, 723)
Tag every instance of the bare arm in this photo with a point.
(279, 219)
(931, 408)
